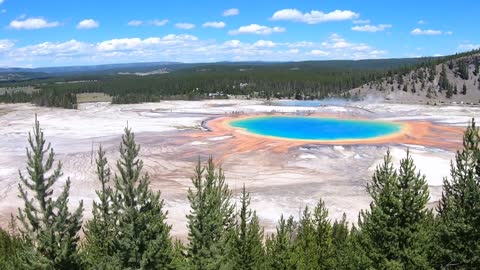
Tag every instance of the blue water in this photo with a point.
(316, 128)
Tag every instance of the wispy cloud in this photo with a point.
(425, 32)
(231, 12)
(361, 21)
(159, 22)
(256, 29)
(314, 16)
(468, 47)
(371, 28)
(32, 23)
(184, 48)
(186, 26)
(214, 24)
(422, 22)
(88, 24)
(155, 22)
(135, 23)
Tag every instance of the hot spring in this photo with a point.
(316, 128)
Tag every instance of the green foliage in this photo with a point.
(141, 234)
(463, 70)
(279, 246)
(211, 220)
(98, 251)
(11, 248)
(393, 234)
(443, 82)
(458, 233)
(47, 223)
(313, 243)
(246, 249)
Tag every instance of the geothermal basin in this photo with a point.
(317, 128)
(284, 172)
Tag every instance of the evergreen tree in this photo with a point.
(211, 220)
(464, 89)
(142, 236)
(100, 230)
(47, 224)
(313, 243)
(393, 232)
(279, 246)
(443, 82)
(247, 250)
(341, 245)
(463, 70)
(11, 248)
(458, 230)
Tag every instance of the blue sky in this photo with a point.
(37, 33)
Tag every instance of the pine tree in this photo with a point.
(341, 245)
(247, 252)
(279, 246)
(100, 230)
(443, 82)
(464, 89)
(47, 223)
(313, 243)
(305, 253)
(458, 230)
(142, 236)
(393, 233)
(211, 219)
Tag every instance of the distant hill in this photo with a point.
(153, 68)
(453, 79)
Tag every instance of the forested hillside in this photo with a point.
(454, 79)
(130, 230)
(300, 80)
(442, 79)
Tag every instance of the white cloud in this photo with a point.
(468, 47)
(88, 24)
(314, 16)
(428, 32)
(422, 22)
(256, 29)
(214, 24)
(32, 23)
(152, 22)
(371, 28)
(160, 22)
(231, 12)
(6, 44)
(300, 44)
(449, 33)
(183, 48)
(361, 21)
(264, 44)
(135, 23)
(186, 26)
(129, 44)
(318, 53)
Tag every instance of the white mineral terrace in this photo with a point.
(279, 182)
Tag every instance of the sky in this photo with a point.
(36, 33)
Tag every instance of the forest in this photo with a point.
(129, 227)
(292, 80)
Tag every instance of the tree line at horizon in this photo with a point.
(307, 80)
(129, 228)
